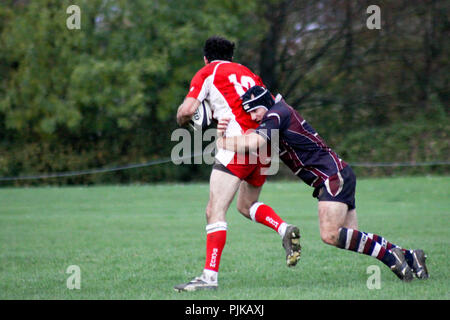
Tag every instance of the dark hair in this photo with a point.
(218, 48)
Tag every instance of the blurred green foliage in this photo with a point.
(107, 94)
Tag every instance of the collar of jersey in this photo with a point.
(219, 61)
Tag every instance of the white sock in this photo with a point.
(282, 229)
(210, 276)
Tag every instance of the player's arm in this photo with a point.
(241, 144)
(186, 110)
(198, 92)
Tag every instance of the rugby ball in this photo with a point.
(202, 117)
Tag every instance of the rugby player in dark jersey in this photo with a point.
(310, 159)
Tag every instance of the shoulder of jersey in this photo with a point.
(279, 110)
(207, 68)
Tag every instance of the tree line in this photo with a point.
(106, 94)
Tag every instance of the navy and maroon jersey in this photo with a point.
(301, 147)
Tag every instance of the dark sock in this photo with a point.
(358, 241)
(389, 245)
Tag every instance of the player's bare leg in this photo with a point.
(247, 196)
(332, 216)
(250, 208)
(223, 187)
(332, 219)
(351, 219)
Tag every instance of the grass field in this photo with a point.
(137, 242)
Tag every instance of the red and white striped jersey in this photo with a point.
(222, 83)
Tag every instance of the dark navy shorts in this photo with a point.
(340, 188)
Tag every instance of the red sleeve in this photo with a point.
(199, 87)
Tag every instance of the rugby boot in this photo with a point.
(400, 267)
(198, 283)
(291, 243)
(419, 267)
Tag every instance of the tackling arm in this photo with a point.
(242, 144)
(186, 110)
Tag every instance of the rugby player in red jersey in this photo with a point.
(307, 155)
(222, 82)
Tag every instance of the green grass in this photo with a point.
(137, 242)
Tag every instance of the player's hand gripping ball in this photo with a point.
(202, 117)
